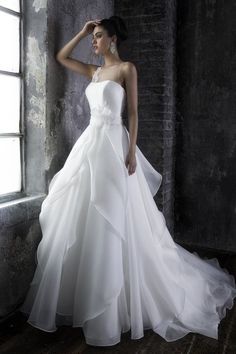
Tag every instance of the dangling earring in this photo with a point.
(112, 47)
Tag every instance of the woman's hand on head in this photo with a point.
(89, 26)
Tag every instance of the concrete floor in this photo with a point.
(18, 337)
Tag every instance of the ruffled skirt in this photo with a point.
(107, 262)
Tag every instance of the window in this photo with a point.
(11, 100)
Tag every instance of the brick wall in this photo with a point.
(205, 198)
(151, 47)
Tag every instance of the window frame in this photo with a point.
(21, 135)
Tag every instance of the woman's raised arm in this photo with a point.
(63, 56)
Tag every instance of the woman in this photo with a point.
(106, 261)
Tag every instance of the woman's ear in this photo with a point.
(114, 38)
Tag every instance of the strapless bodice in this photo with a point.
(106, 101)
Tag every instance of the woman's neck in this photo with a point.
(111, 59)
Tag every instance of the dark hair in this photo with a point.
(115, 25)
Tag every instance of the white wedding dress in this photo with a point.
(106, 261)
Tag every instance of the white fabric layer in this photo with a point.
(106, 261)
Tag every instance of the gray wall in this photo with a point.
(151, 46)
(205, 199)
(67, 106)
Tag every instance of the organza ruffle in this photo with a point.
(107, 262)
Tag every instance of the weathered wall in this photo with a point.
(67, 106)
(151, 46)
(205, 199)
(56, 113)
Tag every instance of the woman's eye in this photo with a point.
(96, 37)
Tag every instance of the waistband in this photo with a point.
(106, 120)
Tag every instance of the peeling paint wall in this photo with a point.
(35, 73)
(39, 5)
(36, 80)
(67, 106)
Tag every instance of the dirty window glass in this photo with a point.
(11, 135)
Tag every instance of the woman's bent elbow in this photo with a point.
(59, 57)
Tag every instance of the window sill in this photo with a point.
(21, 210)
(25, 199)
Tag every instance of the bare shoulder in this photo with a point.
(129, 72)
(129, 68)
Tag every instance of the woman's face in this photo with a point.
(100, 40)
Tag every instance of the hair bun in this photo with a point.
(120, 27)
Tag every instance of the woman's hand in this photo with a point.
(130, 162)
(89, 26)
